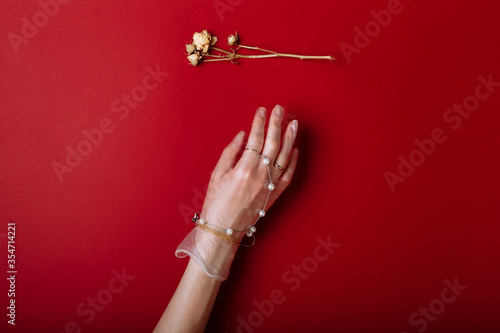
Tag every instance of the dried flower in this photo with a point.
(233, 39)
(202, 40)
(202, 47)
(190, 48)
(193, 59)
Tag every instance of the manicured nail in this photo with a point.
(294, 125)
(279, 110)
(239, 137)
(263, 112)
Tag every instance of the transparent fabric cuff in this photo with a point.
(213, 254)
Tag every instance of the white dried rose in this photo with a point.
(190, 48)
(201, 39)
(193, 59)
(232, 39)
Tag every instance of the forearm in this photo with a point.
(192, 302)
(250, 175)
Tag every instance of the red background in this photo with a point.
(121, 207)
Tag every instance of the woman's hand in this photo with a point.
(238, 187)
(238, 191)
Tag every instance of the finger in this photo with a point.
(272, 144)
(228, 157)
(256, 136)
(287, 175)
(286, 148)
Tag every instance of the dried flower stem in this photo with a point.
(273, 54)
(199, 49)
(218, 59)
(277, 54)
(221, 50)
(253, 48)
(285, 55)
(260, 56)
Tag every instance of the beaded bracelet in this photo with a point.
(227, 233)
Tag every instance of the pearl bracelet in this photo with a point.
(227, 233)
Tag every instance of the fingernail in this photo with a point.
(294, 125)
(263, 112)
(238, 137)
(279, 110)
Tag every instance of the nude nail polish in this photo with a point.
(279, 110)
(294, 126)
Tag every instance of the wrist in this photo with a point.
(214, 254)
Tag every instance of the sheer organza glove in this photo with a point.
(248, 178)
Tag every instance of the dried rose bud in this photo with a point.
(214, 40)
(193, 59)
(190, 48)
(233, 39)
(202, 39)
